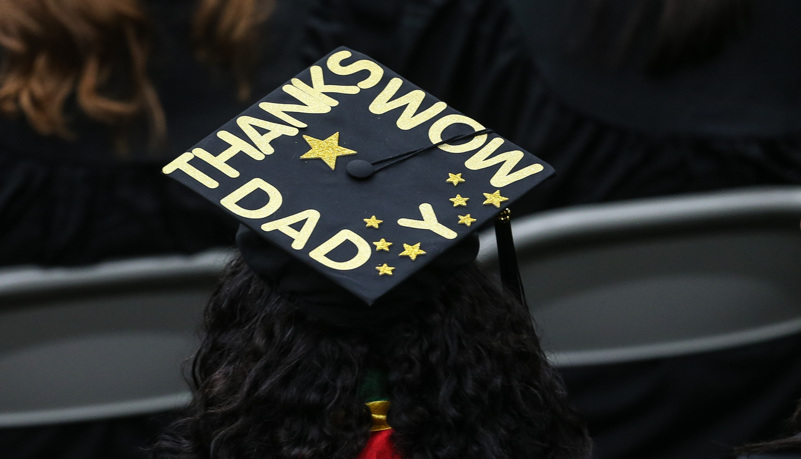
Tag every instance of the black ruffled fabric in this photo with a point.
(78, 213)
(613, 132)
(597, 161)
(692, 406)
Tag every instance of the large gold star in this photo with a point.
(455, 178)
(382, 245)
(328, 150)
(412, 251)
(459, 201)
(385, 269)
(495, 198)
(372, 222)
(466, 220)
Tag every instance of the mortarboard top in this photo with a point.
(358, 173)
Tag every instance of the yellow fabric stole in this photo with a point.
(378, 410)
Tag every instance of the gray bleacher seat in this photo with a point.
(651, 278)
(101, 341)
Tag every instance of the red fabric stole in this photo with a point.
(379, 446)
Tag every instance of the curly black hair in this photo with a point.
(788, 444)
(465, 375)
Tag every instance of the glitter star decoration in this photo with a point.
(382, 245)
(455, 178)
(328, 150)
(372, 222)
(385, 270)
(466, 220)
(412, 251)
(495, 198)
(459, 201)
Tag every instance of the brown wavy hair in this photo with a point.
(96, 52)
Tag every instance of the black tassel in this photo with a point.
(507, 257)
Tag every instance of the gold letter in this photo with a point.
(318, 87)
(429, 222)
(262, 141)
(315, 95)
(230, 201)
(435, 133)
(361, 257)
(376, 72)
(182, 163)
(236, 145)
(509, 159)
(300, 237)
(311, 104)
(412, 100)
(318, 83)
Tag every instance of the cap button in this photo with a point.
(360, 169)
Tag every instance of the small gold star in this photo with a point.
(495, 198)
(466, 220)
(455, 178)
(384, 269)
(373, 222)
(412, 251)
(382, 245)
(328, 150)
(459, 201)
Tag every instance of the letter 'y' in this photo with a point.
(429, 222)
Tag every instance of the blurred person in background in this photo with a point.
(87, 92)
(641, 98)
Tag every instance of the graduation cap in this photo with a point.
(356, 190)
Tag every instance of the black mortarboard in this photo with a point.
(361, 176)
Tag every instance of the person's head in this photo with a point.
(58, 57)
(357, 260)
(465, 375)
